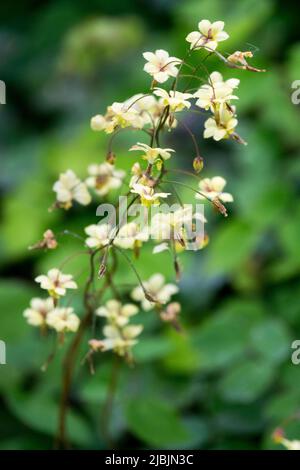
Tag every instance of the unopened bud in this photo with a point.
(177, 270)
(171, 312)
(198, 164)
(48, 241)
(111, 158)
(102, 270)
(219, 206)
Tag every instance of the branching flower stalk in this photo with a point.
(154, 113)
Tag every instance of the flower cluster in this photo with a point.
(162, 108)
(119, 336)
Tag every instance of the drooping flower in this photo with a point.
(152, 153)
(180, 226)
(130, 236)
(172, 224)
(48, 242)
(56, 283)
(69, 188)
(124, 115)
(98, 235)
(148, 107)
(208, 36)
(155, 286)
(117, 115)
(217, 77)
(239, 57)
(120, 340)
(36, 315)
(63, 319)
(116, 313)
(176, 100)
(160, 65)
(221, 126)
(217, 92)
(104, 177)
(212, 188)
(148, 195)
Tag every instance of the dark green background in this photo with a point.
(228, 381)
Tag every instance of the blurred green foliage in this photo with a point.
(228, 380)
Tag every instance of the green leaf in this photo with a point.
(246, 382)
(283, 405)
(272, 340)
(184, 357)
(155, 422)
(231, 246)
(40, 413)
(223, 337)
(26, 213)
(14, 299)
(151, 349)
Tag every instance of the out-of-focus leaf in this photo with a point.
(152, 348)
(155, 422)
(41, 413)
(272, 340)
(222, 338)
(231, 246)
(99, 39)
(26, 216)
(283, 406)
(14, 298)
(247, 381)
(184, 357)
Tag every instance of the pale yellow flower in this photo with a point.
(217, 92)
(147, 194)
(116, 313)
(160, 65)
(130, 236)
(63, 319)
(98, 235)
(69, 188)
(124, 116)
(208, 36)
(104, 178)
(120, 340)
(152, 153)
(173, 224)
(212, 188)
(37, 313)
(221, 126)
(56, 283)
(117, 115)
(176, 100)
(157, 289)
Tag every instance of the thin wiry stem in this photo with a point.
(70, 358)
